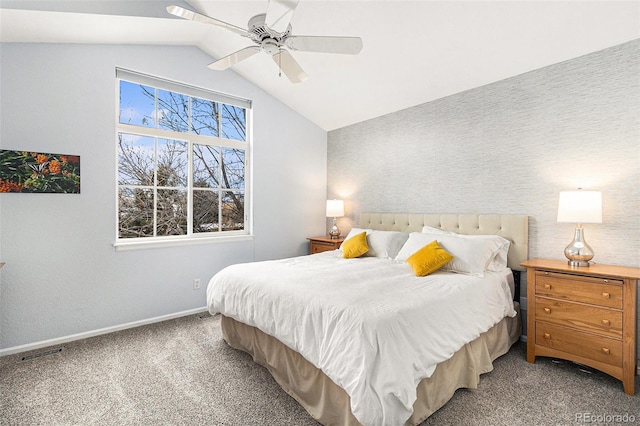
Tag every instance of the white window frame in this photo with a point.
(190, 238)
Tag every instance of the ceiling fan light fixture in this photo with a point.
(270, 46)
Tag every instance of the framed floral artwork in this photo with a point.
(27, 171)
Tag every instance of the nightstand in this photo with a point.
(583, 314)
(320, 244)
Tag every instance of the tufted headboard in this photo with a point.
(515, 228)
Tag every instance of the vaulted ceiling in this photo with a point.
(414, 51)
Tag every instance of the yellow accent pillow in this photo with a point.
(355, 246)
(429, 259)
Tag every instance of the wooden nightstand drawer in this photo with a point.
(596, 291)
(604, 321)
(598, 348)
(319, 247)
(320, 244)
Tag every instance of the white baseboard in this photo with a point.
(92, 333)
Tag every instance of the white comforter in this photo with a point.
(369, 324)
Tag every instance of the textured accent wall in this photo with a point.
(509, 147)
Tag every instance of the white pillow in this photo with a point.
(472, 255)
(385, 244)
(414, 243)
(499, 261)
(431, 230)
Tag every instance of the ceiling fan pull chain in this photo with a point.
(280, 63)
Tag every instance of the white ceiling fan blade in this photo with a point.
(198, 17)
(289, 66)
(279, 14)
(325, 44)
(234, 58)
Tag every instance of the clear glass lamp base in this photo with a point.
(578, 251)
(334, 232)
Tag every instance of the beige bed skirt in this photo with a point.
(329, 404)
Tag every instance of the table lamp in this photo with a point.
(335, 208)
(579, 207)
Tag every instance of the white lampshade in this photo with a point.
(335, 208)
(580, 207)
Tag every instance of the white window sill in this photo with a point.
(141, 244)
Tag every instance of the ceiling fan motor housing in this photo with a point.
(270, 40)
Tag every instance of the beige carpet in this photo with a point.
(180, 372)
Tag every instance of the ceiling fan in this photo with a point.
(271, 32)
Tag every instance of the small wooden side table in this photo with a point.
(324, 243)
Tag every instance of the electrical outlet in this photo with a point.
(196, 283)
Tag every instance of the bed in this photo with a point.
(351, 340)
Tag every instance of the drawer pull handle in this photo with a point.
(547, 286)
(606, 281)
(547, 336)
(606, 351)
(546, 273)
(606, 322)
(547, 310)
(606, 295)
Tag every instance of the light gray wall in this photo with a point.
(63, 275)
(509, 147)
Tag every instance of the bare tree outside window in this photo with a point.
(161, 193)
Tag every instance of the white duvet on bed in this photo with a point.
(369, 324)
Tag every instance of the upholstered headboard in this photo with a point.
(515, 228)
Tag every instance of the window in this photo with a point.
(182, 161)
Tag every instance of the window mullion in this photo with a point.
(220, 192)
(190, 172)
(190, 190)
(155, 187)
(170, 134)
(155, 162)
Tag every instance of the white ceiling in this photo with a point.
(414, 51)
